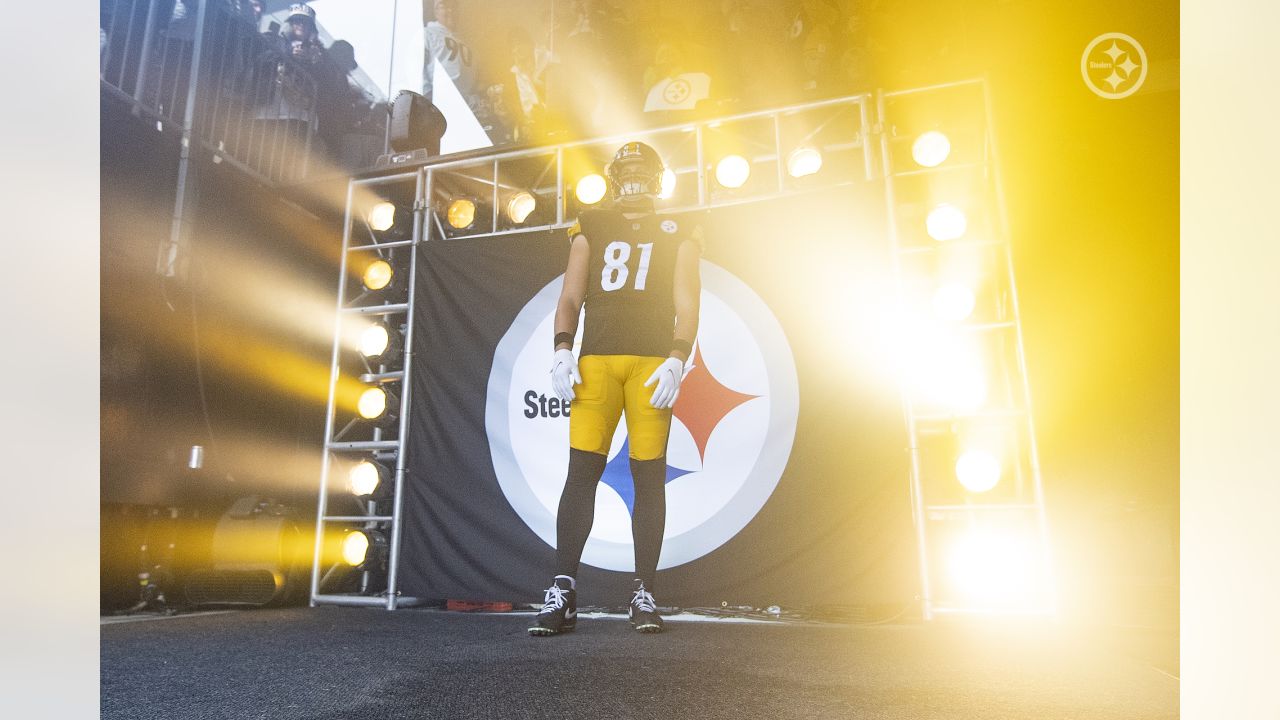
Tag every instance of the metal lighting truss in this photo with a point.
(1023, 496)
(357, 438)
(841, 129)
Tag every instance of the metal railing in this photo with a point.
(206, 63)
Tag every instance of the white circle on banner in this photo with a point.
(732, 429)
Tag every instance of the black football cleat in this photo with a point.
(643, 612)
(559, 612)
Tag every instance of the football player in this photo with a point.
(637, 274)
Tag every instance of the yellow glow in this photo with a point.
(991, 566)
(732, 171)
(953, 302)
(378, 274)
(364, 478)
(960, 387)
(804, 161)
(521, 206)
(373, 403)
(946, 222)
(382, 216)
(978, 470)
(354, 547)
(668, 184)
(591, 189)
(374, 340)
(944, 370)
(931, 149)
(462, 213)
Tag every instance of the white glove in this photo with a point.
(564, 374)
(668, 376)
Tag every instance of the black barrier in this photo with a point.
(787, 464)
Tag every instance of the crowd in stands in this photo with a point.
(258, 71)
(590, 66)
(558, 69)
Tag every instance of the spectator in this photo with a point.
(814, 52)
(300, 36)
(339, 104)
(856, 71)
(523, 104)
(756, 32)
(444, 48)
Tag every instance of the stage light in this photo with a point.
(732, 171)
(804, 161)
(373, 403)
(521, 206)
(375, 340)
(591, 188)
(380, 342)
(415, 123)
(378, 406)
(378, 274)
(959, 388)
(382, 216)
(978, 470)
(992, 567)
(948, 373)
(946, 222)
(668, 184)
(365, 478)
(364, 549)
(931, 149)
(355, 546)
(461, 213)
(953, 302)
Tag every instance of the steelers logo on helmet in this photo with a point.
(636, 171)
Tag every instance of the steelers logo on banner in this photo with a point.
(732, 428)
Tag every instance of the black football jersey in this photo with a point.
(630, 305)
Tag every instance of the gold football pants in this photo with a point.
(610, 385)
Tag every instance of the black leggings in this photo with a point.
(578, 506)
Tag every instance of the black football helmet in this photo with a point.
(636, 171)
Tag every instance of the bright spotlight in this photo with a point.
(946, 222)
(365, 478)
(953, 302)
(378, 406)
(591, 189)
(382, 216)
(931, 149)
(804, 161)
(461, 214)
(521, 206)
(355, 547)
(668, 184)
(978, 470)
(992, 567)
(364, 549)
(380, 342)
(375, 340)
(949, 373)
(378, 274)
(960, 388)
(732, 171)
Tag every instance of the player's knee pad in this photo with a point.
(648, 432)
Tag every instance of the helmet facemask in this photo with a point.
(636, 175)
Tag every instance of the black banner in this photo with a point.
(788, 470)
